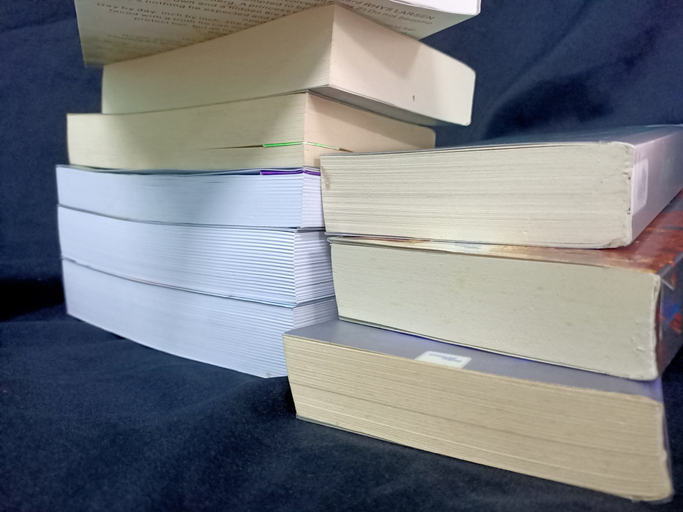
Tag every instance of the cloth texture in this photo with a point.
(90, 421)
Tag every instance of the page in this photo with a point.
(471, 7)
(115, 30)
(655, 249)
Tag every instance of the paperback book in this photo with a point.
(282, 131)
(212, 266)
(279, 266)
(126, 29)
(590, 190)
(241, 335)
(329, 50)
(584, 429)
(613, 311)
(277, 198)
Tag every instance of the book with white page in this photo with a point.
(280, 266)
(242, 335)
(278, 198)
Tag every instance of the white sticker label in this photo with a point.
(639, 179)
(444, 359)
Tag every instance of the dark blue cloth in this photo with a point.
(90, 421)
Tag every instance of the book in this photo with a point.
(613, 311)
(280, 266)
(242, 335)
(328, 50)
(588, 430)
(590, 190)
(194, 263)
(281, 131)
(277, 198)
(125, 29)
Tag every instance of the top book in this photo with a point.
(589, 190)
(329, 50)
(119, 30)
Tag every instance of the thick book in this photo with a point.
(587, 190)
(277, 198)
(280, 266)
(589, 430)
(282, 131)
(241, 335)
(613, 311)
(329, 50)
(126, 29)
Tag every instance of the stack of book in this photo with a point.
(190, 217)
(512, 304)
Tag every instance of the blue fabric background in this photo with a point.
(90, 421)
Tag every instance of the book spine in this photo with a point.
(670, 312)
(656, 178)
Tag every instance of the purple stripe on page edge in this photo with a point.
(302, 170)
